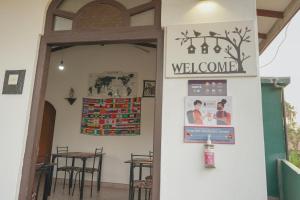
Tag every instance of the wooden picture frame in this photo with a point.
(14, 82)
(149, 88)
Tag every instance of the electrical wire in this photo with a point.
(278, 48)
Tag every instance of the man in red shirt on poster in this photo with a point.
(195, 116)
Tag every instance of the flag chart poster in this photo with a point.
(208, 115)
(111, 117)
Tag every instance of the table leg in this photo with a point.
(71, 175)
(99, 174)
(82, 178)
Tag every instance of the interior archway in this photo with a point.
(118, 30)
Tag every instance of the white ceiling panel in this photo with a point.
(265, 24)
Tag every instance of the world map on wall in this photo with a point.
(112, 84)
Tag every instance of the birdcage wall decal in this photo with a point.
(204, 47)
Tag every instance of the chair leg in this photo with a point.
(79, 182)
(55, 181)
(133, 193)
(38, 185)
(129, 192)
(150, 193)
(65, 179)
(92, 184)
(69, 186)
(74, 183)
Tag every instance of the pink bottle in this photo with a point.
(209, 154)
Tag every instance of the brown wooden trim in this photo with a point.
(64, 14)
(145, 44)
(59, 48)
(157, 20)
(35, 122)
(270, 13)
(119, 35)
(141, 8)
(114, 35)
(38, 99)
(262, 35)
(54, 10)
(49, 26)
(289, 13)
(158, 118)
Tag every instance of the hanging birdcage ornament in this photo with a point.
(204, 47)
(191, 49)
(217, 48)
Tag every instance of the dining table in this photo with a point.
(141, 163)
(83, 156)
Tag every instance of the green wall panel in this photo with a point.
(274, 134)
(290, 181)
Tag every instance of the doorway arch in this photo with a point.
(86, 29)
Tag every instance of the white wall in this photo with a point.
(240, 168)
(21, 23)
(79, 63)
(240, 172)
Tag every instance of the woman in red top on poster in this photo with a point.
(223, 117)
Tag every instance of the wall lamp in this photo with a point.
(207, 5)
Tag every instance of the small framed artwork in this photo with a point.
(149, 88)
(14, 82)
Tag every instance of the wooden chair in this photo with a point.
(43, 171)
(62, 167)
(140, 184)
(96, 168)
(145, 185)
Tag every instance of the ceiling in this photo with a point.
(273, 15)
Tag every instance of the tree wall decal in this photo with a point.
(235, 40)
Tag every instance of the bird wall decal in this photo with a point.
(213, 34)
(196, 33)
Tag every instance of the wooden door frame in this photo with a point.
(108, 36)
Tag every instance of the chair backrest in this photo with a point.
(62, 150)
(135, 158)
(151, 154)
(151, 167)
(98, 155)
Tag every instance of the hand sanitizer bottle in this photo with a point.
(209, 154)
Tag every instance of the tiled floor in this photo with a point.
(106, 193)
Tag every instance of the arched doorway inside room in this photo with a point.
(94, 22)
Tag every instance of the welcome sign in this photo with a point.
(214, 49)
